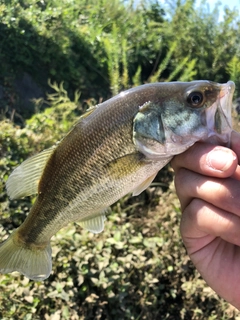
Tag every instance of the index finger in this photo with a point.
(208, 159)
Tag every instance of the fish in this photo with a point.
(117, 147)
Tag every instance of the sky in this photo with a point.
(230, 3)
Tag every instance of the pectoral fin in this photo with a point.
(24, 180)
(144, 185)
(94, 225)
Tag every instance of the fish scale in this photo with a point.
(116, 148)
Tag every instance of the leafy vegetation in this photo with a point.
(100, 48)
(137, 268)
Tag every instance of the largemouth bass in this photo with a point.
(116, 148)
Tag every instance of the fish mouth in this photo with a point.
(219, 116)
(225, 98)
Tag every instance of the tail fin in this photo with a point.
(34, 264)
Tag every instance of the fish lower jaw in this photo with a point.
(174, 144)
(216, 138)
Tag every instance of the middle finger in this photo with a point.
(222, 193)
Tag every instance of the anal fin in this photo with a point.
(94, 225)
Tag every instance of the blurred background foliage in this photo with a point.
(102, 47)
(80, 53)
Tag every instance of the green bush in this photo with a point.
(98, 47)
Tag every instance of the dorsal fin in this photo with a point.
(24, 180)
(87, 113)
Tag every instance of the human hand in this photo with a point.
(207, 184)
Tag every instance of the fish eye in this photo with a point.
(195, 99)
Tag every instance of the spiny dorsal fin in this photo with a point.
(24, 180)
(82, 118)
(94, 225)
(144, 185)
(87, 113)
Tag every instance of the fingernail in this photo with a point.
(220, 159)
